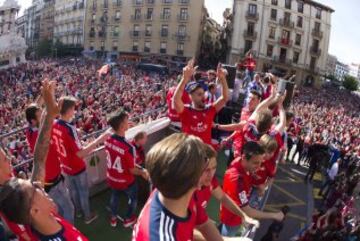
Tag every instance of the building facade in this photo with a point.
(47, 20)
(20, 23)
(354, 70)
(33, 23)
(69, 22)
(286, 35)
(341, 70)
(12, 46)
(144, 27)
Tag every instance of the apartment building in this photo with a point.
(169, 28)
(47, 20)
(69, 22)
(286, 35)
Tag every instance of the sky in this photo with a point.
(345, 31)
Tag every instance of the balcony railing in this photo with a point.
(180, 52)
(102, 34)
(317, 33)
(136, 18)
(134, 34)
(92, 34)
(117, 4)
(162, 51)
(250, 35)
(285, 42)
(183, 17)
(282, 60)
(164, 33)
(116, 34)
(165, 16)
(138, 2)
(181, 36)
(252, 15)
(183, 2)
(150, 2)
(315, 51)
(146, 50)
(167, 2)
(286, 23)
(147, 33)
(148, 17)
(135, 48)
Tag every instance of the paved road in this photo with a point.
(289, 189)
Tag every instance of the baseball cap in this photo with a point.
(192, 86)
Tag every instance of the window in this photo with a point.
(117, 3)
(248, 46)
(274, 2)
(182, 30)
(138, 2)
(115, 45)
(91, 45)
(252, 9)
(164, 30)
(180, 49)
(299, 22)
(148, 30)
(272, 32)
(300, 6)
(149, 14)
(147, 46)
(117, 15)
(102, 45)
(167, 1)
(151, 1)
(312, 63)
(317, 26)
(116, 31)
(94, 5)
(163, 47)
(315, 44)
(270, 49)
(250, 28)
(273, 14)
(137, 13)
(298, 39)
(135, 46)
(183, 13)
(296, 57)
(93, 17)
(136, 30)
(285, 37)
(318, 13)
(166, 13)
(288, 4)
(287, 17)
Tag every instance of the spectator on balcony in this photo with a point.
(197, 118)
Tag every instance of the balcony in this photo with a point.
(184, 2)
(92, 21)
(135, 48)
(317, 33)
(105, 6)
(162, 51)
(116, 19)
(92, 34)
(116, 34)
(250, 35)
(286, 23)
(252, 16)
(314, 51)
(150, 2)
(136, 18)
(181, 36)
(102, 34)
(282, 60)
(146, 49)
(117, 4)
(148, 17)
(138, 2)
(165, 16)
(313, 68)
(285, 42)
(167, 2)
(134, 34)
(164, 33)
(183, 17)
(148, 34)
(180, 52)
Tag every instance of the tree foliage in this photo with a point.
(350, 83)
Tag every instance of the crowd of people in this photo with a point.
(97, 95)
(181, 168)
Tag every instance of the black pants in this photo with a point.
(310, 174)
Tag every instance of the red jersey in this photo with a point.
(237, 143)
(67, 143)
(120, 160)
(172, 114)
(204, 194)
(19, 230)
(67, 233)
(237, 184)
(52, 164)
(249, 133)
(140, 153)
(198, 122)
(31, 137)
(158, 223)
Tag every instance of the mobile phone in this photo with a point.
(281, 86)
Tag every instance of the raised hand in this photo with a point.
(48, 94)
(221, 72)
(189, 70)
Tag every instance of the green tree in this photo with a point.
(43, 49)
(350, 83)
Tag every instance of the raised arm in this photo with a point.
(43, 141)
(188, 72)
(232, 127)
(91, 146)
(282, 115)
(221, 102)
